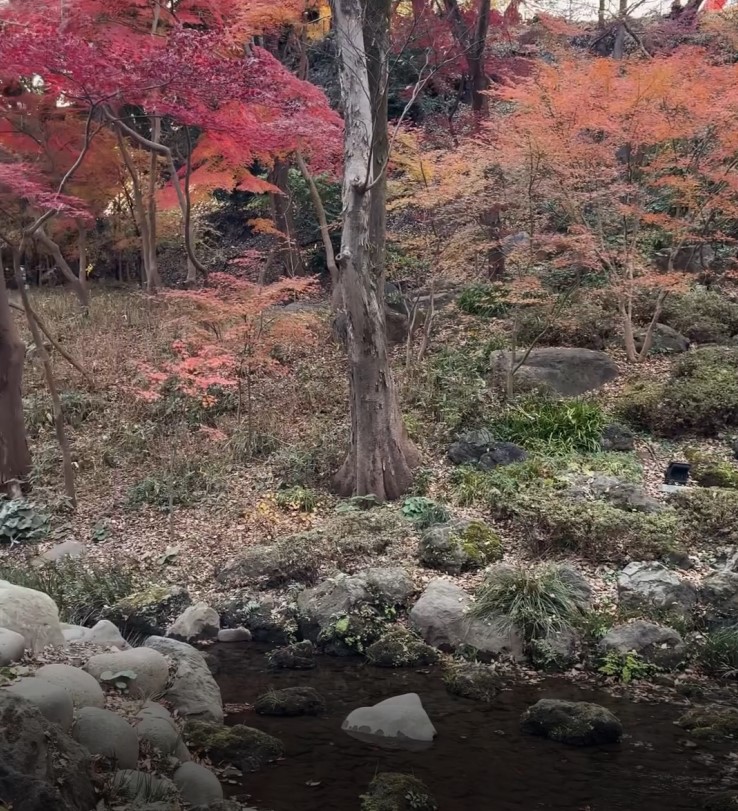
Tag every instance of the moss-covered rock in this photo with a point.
(400, 648)
(473, 681)
(459, 546)
(394, 791)
(298, 656)
(711, 723)
(577, 723)
(290, 702)
(247, 748)
(347, 634)
(150, 611)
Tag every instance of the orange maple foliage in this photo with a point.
(626, 156)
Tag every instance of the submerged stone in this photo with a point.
(394, 791)
(577, 723)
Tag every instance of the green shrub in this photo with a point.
(453, 389)
(709, 470)
(555, 426)
(700, 398)
(625, 667)
(183, 485)
(245, 446)
(79, 590)
(175, 406)
(709, 515)
(302, 499)
(597, 530)
(718, 656)
(705, 316)
(537, 602)
(424, 512)
(584, 324)
(21, 522)
(485, 300)
(311, 464)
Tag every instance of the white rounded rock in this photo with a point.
(105, 632)
(82, 688)
(30, 613)
(54, 703)
(12, 646)
(196, 622)
(234, 635)
(150, 667)
(399, 722)
(104, 733)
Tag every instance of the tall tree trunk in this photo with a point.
(56, 405)
(288, 254)
(15, 458)
(381, 456)
(153, 280)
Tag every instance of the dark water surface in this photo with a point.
(480, 761)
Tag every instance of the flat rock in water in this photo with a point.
(577, 723)
(396, 723)
(234, 635)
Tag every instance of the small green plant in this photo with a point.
(424, 512)
(484, 300)
(301, 499)
(496, 489)
(536, 602)
(710, 470)
(718, 656)
(709, 515)
(625, 667)
(22, 522)
(121, 680)
(182, 485)
(554, 426)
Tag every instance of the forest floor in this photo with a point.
(177, 501)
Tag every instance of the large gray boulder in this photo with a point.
(665, 341)
(657, 644)
(647, 585)
(440, 617)
(459, 546)
(105, 632)
(193, 692)
(150, 667)
(480, 447)
(616, 437)
(104, 733)
(198, 786)
(54, 703)
(624, 495)
(390, 584)
(82, 688)
(320, 606)
(399, 722)
(195, 623)
(577, 723)
(41, 768)
(30, 613)
(719, 597)
(564, 370)
(12, 646)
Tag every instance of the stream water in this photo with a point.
(480, 761)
